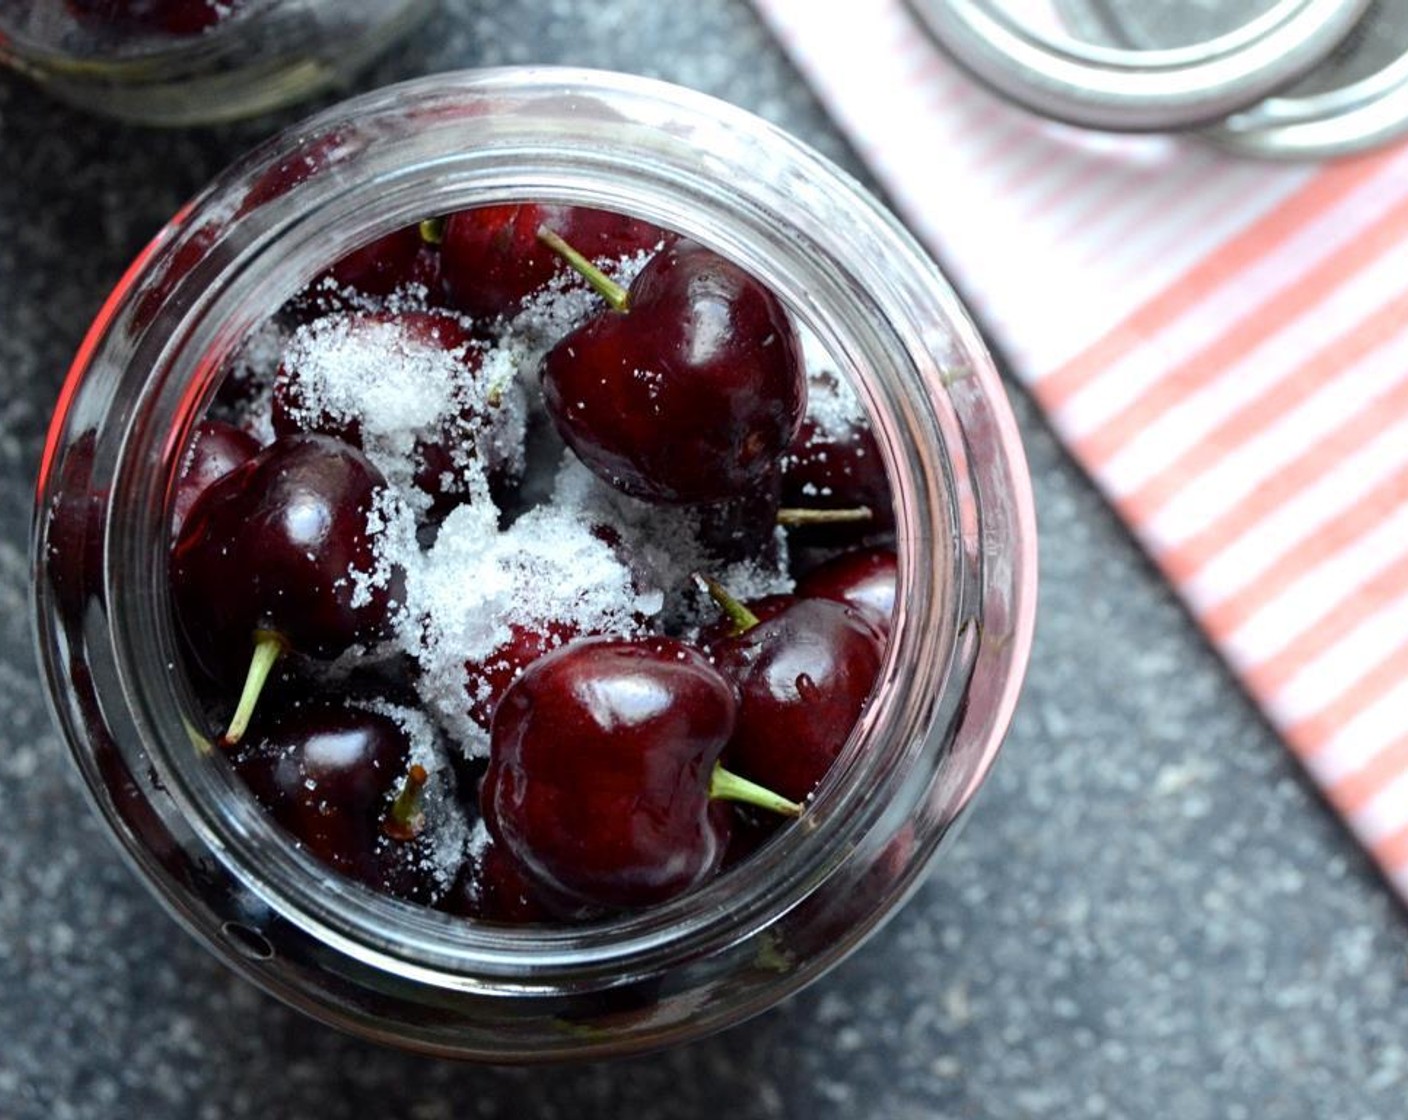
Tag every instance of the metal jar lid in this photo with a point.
(1355, 100)
(1209, 61)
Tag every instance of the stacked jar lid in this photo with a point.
(1290, 79)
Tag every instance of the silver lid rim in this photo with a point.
(1354, 118)
(1134, 90)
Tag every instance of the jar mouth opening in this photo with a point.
(250, 264)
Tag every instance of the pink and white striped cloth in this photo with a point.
(1223, 345)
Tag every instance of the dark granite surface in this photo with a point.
(1149, 915)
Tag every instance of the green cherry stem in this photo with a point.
(269, 646)
(605, 287)
(432, 230)
(406, 817)
(792, 517)
(724, 785)
(742, 618)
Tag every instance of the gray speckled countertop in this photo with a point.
(1149, 914)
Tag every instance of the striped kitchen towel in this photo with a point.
(1223, 345)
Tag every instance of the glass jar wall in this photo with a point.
(847, 273)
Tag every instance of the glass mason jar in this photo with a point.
(184, 62)
(417, 977)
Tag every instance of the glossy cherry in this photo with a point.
(864, 578)
(803, 676)
(277, 555)
(492, 259)
(688, 388)
(331, 774)
(381, 266)
(216, 449)
(602, 766)
(396, 261)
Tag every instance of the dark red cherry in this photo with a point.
(216, 450)
(492, 887)
(864, 578)
(330, 774)
(487, 679)
(73, 532)
(689, 394)
(745, 527)
(192, 247)
(281, 549)
(175, 17)
(361, 277)
(803, 675)
(492, 260)
(600, 766)
(380, 267)
(837, 467)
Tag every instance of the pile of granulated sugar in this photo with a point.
(466, 593)
(401, 391)
(665, 547)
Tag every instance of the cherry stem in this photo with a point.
(432, 230)
(605, 287)
(792, 517)
(725, 785)
(742, 618)
(269, 646)
(406, 817)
